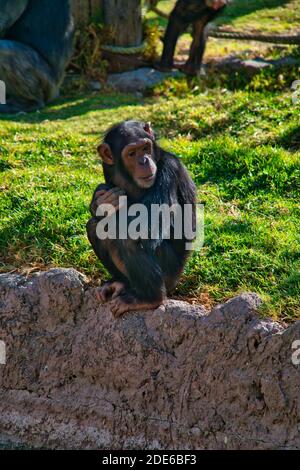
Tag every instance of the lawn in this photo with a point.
(241, 145)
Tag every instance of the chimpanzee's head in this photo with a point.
(129, 154)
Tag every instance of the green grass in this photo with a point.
(242, 147)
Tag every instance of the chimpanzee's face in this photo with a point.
(138, 159)
(129, 153)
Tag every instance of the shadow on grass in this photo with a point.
(235, 227)
(290, 140)
(69, 107)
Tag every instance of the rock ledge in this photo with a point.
(174, 378)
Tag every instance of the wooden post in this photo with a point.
(125, 18)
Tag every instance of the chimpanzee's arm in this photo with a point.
(10, 12)
(186, 186)
(173, 178)
(187, 195)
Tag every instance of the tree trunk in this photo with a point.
(125, 17)
(83, 10)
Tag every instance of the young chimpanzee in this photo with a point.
(198, 13)
(144, 270)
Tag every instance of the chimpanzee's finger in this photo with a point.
(112, 200)
(115, 192)
(100, 193)
(107, 192)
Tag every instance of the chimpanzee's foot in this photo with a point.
(127, 303)
(164, 67)
(189, 69)
(109, 290)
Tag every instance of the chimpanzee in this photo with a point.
(35, 46)
(145, 270)
(186, 12)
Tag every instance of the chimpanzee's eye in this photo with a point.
(145, 149)
(131, 154)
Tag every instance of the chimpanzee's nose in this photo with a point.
(143, 161)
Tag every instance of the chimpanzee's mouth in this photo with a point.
(148, 178)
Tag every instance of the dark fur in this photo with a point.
(153, 266)
(35, 46)
(188, 12)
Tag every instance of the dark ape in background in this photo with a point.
(198, 13)
(35, 47)
(143, 271)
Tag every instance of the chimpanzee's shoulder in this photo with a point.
(172, 161)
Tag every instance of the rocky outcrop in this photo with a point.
(174, 378)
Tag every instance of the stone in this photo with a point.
(138, 80)
(95, 85)
(251, 66)
(178, 377)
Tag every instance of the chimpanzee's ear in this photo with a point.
(149, 130)
(106, 154)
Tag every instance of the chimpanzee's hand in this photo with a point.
(111, 197)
